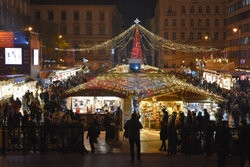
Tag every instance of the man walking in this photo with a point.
(133, 127)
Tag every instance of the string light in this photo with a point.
(154, 41)
(150, 82)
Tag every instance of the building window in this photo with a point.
(216, 36)
(166, 22)
(174, 36)
(216, 22)
(191, 35)
(208, 9)
(166, 35)
(166, 51)
(192, 9)
(199, 22)
(89, 30)
(76, 15)
(174, 22)
(37, 15)
(173, 52)
(101, 16)
(200, 9)
(76, 30)
(183, 10)
(207, 22)
(101, 30)
(208, 35)
(182, 35)
(217, 9)
(63, 15)
(224, 35)
(183, 22)
(199, 35)
(170, 10)
(192, 22)
(64, 29)
(50, 15)
(89, 16)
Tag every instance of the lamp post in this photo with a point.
(237, 30)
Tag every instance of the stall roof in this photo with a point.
(150, 82)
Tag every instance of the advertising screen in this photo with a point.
(36, 57)
(13, 56)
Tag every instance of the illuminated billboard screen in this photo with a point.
(36, 57)
(13, 56)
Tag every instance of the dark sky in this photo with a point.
(131, 9)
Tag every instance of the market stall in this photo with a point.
(224, 80)
(16, 86)
(152, 87)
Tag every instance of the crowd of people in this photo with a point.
(236, 103)
(189, 134)
(195, 134)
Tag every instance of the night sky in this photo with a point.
(131, 9)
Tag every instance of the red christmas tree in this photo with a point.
(136, 50)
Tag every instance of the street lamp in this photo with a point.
(237, 30)
(206, 37)
(29, 28)
(60, 36)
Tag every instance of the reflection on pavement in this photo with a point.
(150, 143)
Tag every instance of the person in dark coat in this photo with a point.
(222, 138)
(165, 116)
(133, 127)
(172, 135)
(244, 140)
(163, 136)
(209, 140)
(92, 136)
(206, 118)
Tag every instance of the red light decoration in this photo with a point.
(136, 50)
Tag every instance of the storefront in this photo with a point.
(94, 104)
(223, 80)
(16, 87)
(64, 74)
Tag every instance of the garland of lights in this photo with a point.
(106, 44)
(167, 44)
(154, 41)
(142, 83)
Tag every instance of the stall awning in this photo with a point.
(150, 82)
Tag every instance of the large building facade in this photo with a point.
(238, 32)
(196, 22)
(81, 23)
(14, 14)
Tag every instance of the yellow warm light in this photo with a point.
(30, 28)
(206, 37)
(235, 29)
(60, 36)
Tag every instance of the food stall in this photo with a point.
(224, 80)
(94, 104)
(17, 87)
